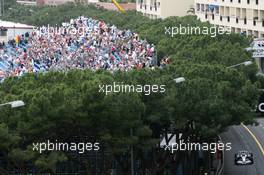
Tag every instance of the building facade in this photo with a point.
(243, 16)
(164, 8)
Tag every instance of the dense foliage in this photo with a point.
(64, 105)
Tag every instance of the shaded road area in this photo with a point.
(242, 139)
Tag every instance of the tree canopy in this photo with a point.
(63, 105)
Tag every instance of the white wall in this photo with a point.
(165, 8)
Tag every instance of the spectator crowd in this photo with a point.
(96, 45)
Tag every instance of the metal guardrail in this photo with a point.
(220, 168)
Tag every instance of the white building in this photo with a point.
(164, 8)
(243, 16)
(25, 2)
(13, 29)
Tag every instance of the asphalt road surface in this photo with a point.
(250, 138)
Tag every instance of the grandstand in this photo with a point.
(101, 46)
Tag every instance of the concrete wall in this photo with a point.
(164, 8)
(175, 7)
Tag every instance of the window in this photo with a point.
(245, 20)
(221, 18)
(228, 18)
(198, 7)
(239, 1)
(257, 2)
(155, 6)
(248, 1)
(236, 20)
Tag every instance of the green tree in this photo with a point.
(65, 105)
